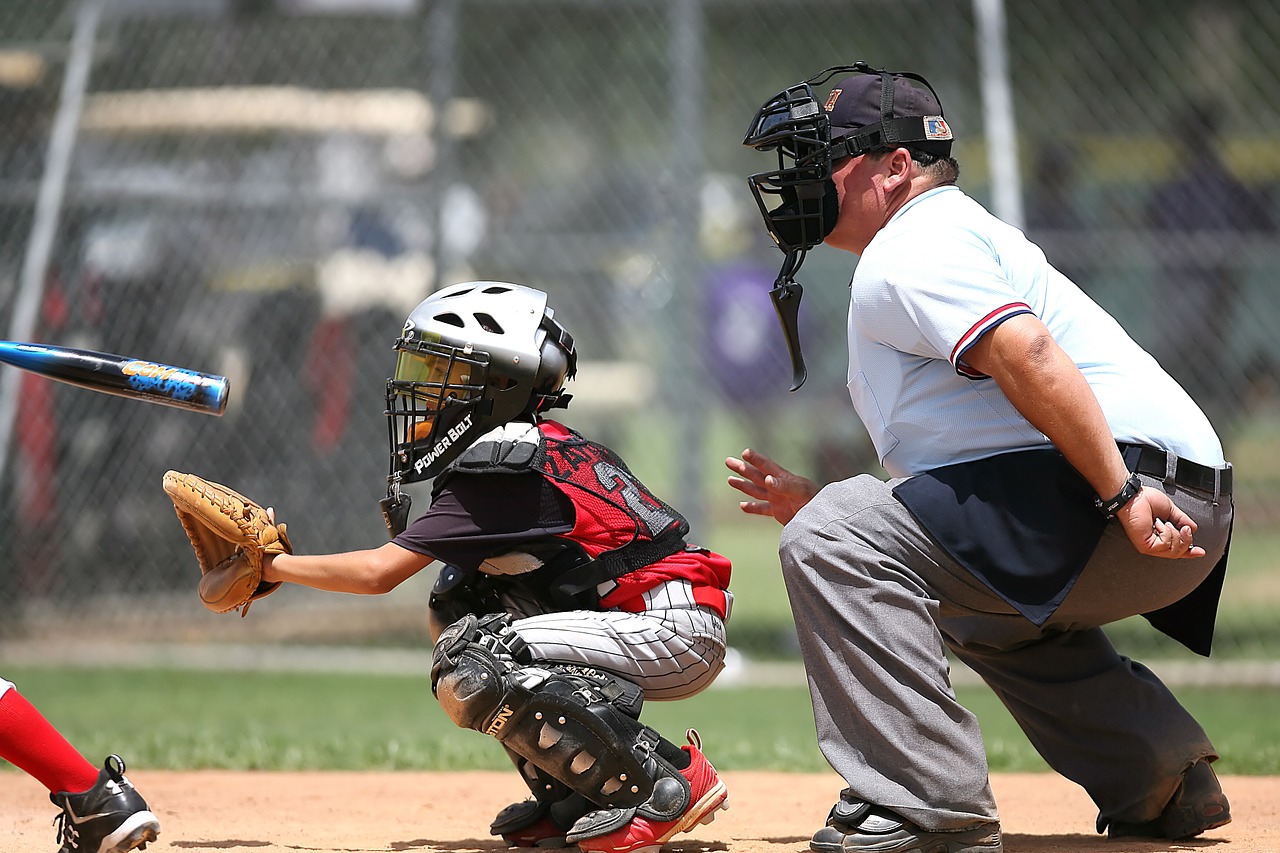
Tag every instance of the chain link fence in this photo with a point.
(264, 188)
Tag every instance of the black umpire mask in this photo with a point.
(802, 211)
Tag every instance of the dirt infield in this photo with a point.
(359, 812)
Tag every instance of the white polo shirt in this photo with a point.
(941, 273)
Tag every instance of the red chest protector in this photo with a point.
(619, 525)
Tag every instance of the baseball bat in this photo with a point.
(122, 376)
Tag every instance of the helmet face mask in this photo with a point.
(799, 204)
(471, 357)
(435, 389)
(797, 200)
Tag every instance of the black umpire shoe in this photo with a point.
(859, 827)
(110, 817)
(1197, 806)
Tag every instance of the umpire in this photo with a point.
(1047, 478)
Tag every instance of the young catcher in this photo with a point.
(568, 595)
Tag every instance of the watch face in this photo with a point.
(1128, 492)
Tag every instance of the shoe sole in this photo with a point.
(1222, 818)
(911, 845)
(1156, 835)
(702, 813)
(1218, 823)
(1222, 822)
(939, 847)
(137, 831)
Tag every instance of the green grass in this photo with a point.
(266, 721)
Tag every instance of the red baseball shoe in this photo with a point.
(707, 795)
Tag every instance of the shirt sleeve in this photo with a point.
(478, 515)
(935, 301)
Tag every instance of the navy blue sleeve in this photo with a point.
(478, 515)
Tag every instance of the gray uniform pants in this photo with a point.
(876, 600)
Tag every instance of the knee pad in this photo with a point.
(470, 665)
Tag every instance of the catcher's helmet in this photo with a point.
(471, 357)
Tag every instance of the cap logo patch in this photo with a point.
(935, 127)
(831, 99)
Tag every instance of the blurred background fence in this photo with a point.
(264, 188)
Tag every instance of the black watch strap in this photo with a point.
(1127, 493)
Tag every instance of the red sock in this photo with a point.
(31, 743)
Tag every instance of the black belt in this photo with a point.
(1153, 462)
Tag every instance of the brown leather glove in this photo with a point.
(230, 534)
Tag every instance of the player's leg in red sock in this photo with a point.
(31, 743)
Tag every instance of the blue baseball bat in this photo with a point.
(122, 376)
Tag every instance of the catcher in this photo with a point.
(569, 593)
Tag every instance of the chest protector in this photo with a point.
(619, 525)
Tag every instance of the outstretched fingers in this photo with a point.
(774, 491)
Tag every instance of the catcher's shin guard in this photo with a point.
(576, 724)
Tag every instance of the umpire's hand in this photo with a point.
(774, 490)
(1156, 526)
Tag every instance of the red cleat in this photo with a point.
(707, 795)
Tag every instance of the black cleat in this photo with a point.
(110, 817)
(865, 828)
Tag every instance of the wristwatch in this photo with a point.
(1128, 492)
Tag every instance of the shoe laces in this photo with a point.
(68, 835)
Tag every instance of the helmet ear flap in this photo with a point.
(553, 369)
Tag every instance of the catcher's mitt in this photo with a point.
(230, 535)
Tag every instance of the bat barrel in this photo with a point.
(176, 386)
